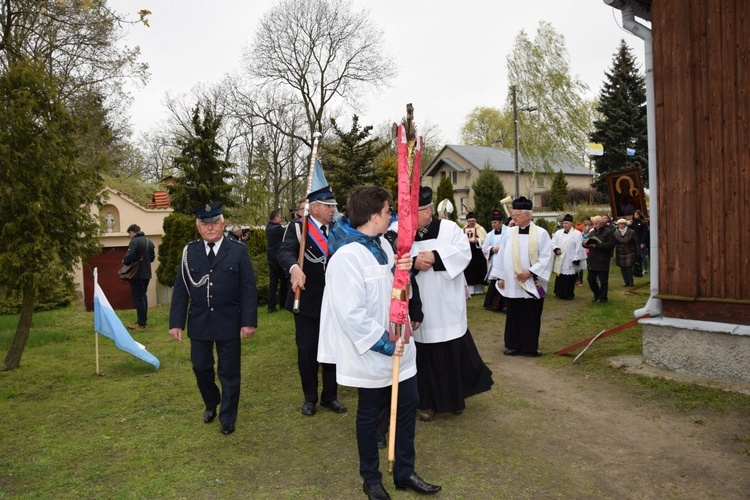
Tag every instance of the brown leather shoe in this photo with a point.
(426, 415)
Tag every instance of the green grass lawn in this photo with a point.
(136, 432)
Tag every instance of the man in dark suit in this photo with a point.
(140, 250)
(216, 281)
(311, 282)
(274, 237)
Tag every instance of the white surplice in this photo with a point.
(443, 293)
(542, 268)
(354, 314)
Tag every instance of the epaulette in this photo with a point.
(194, 242)
(236, 241)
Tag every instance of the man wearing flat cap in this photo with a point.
(522, 278)
(215, 288)
(570, 258)
(449, 368)
(311, 283)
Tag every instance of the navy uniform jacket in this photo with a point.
(311, 297)
(232, 298)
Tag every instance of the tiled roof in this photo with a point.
(160, 199)
(501, 160)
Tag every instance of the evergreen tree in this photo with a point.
(558, 193)
(179, 229)
(46, 190)
(202, 174)
(349, 161)
(445, 192)
(622, 104)
(488, 191)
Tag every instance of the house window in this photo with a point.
(454, 177)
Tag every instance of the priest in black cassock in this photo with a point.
(449, 367)
(526, 265)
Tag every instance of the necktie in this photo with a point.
(324, 229)
(211, 254)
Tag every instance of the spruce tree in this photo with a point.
(202, 174)
(349, 161)
(445, 192)
(558, 193)
(488, 191)
(622, 104)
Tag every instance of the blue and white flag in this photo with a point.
(108, 324)
(630, 151)
(319, 178)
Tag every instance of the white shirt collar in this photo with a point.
(217, 245)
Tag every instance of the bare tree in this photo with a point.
(314, 53)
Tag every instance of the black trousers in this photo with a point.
(523, 324)
(627, 275)
(138, 290)
(307, 334)
(370, 402)
(276, 279)
(601, 287)
(228, 367)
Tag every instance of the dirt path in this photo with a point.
(609, 443)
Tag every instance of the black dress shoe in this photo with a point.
(209, 416)
(415, 483)
(603, 300)
(334, 406)
(535, 354)
(510, 352)
(308, 408)
(382, 442)
(375, 491)
(595, 299)
(227, 429)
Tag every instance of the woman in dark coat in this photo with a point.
(627, 250)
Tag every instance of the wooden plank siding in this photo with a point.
(702, 101)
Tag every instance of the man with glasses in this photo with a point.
(523, 275)
(311, 282)
(215, 288)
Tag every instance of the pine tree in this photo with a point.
(622, 103)
(445, 192)
(488, 191)
(558, 193)
(349, 161)
(203, 175)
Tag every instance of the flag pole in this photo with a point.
(408, 148)
(305, 216)
(96, 334)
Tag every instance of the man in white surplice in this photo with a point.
(449, 368)
(567, 245)
(526, 252)
(354, 334)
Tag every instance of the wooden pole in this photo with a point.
(394, 413)
(305, 216)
